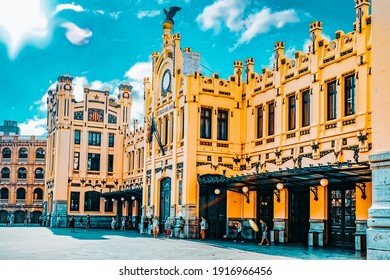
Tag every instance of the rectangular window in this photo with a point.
(332, 99)
(111, 140)
(182, 123)
(110, 165)
(205, 123)
(271, 118)
(305, 108)
(291, 112)
(166, 130)
(349, 95)
(93, 162)
(172, 128)
(260, 120)
(77, 136)
(180, 198)
(108, 205)
(222, 133)
(94, 138)
(149, 195)
(74, 201)
(76, 161)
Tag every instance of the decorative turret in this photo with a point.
(279, 54)
(168, 22)
(125, 91)
(238, 71)
(362, 13)
(249, 65)
(315, 35)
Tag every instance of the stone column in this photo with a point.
(279, 231)
(378, 232)
(317, 233)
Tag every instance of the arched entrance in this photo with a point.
(35, 217)
(19, 217)
(3, 217)
(165, 201)
(212, 206)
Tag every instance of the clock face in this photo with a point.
(166, 82)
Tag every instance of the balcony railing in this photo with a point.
(22, 160)
(3, 201)
(21, 201)
(39, 160)
(5, 160)
(22, 181)
(38, 201)
(4, 181)
(39, 181)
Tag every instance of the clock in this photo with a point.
(166, 83)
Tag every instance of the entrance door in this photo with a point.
(299, 215)
(265, 210)
(165, 201)
(342, 217)
(213, 208)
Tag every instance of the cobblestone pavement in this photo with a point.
(41, 243)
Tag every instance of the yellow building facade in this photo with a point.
(288, 145)
(304, 125)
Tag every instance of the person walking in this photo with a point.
(264, 230)
(155, 226)
(146, 225)
(81, 221)
(203, 227)
(123, 223)
(181, 227)
(71, 224)
(168, 227)
(58, 221)
(239, 231)
(88, 224)
(113, 223)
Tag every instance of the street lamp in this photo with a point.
(217, 191)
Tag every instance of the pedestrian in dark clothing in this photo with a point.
(239, 231)
(71, 224)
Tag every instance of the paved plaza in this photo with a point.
(41, 243)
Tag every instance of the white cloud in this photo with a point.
(136, 75)
(290, 52)
(263, 21)
(232, 14)
(229, 12)
(115, 15)
(68, 6)
(148, 13)
(21, 25)
(36, 126)
(76, 35)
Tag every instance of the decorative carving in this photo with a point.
(169, 14)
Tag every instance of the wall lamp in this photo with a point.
(362, 188)
(124, 204)
(279, 187)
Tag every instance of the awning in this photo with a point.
(347, 172)
(127, 194)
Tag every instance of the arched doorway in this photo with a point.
(19, 217)
(165, 200)
(3, 216)
(212, 206)
(35, 217)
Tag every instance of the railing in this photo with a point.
(22, 181)
(21, 201)
(38, 201)
(4, 181)
(3, 201)
(39, 181)
(5, 160)
(22, 160)
(39, 160)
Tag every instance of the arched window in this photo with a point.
(5, 173)
(6, 153)
(22, 173)
(20, 193)
(4, 193)
(38, 193)
(23, 153)
(92, 201)
(40, 153)
(39, 173)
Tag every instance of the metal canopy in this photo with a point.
(126, 194)
(347, 173)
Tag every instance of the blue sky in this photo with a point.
(105, 42)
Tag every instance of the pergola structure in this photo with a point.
(297, 177)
